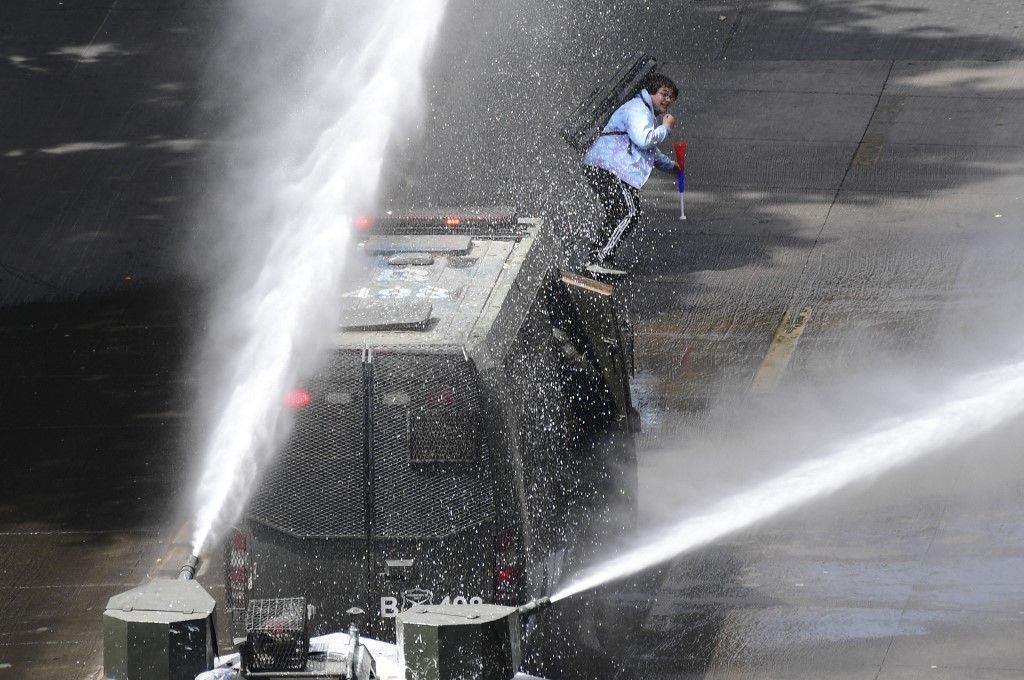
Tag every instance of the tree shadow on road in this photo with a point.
(503, 80)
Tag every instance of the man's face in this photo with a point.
(662, 100)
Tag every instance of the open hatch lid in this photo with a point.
(374, 313)
(585, 121)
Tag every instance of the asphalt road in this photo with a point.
(862, 160)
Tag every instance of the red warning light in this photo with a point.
(297, 399)
(363, 223)
(442, 398)
(453, 221)
(505, 575)
(505, 542)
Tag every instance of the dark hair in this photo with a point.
(656, 81)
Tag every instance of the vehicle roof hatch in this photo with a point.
(394, 315)
(446, 243)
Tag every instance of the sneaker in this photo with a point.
(603, 269)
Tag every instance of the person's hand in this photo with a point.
(668, 120)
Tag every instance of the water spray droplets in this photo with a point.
(973, 406)
(322, 162)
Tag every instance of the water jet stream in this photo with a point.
(973, 406)
(313, 185)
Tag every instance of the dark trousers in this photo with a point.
(621, 203)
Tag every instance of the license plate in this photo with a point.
(392, 606)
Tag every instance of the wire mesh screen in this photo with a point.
(277, 634)
(444, 424)
(431, 475)
(316, 485)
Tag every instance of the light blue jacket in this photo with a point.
(631, 156)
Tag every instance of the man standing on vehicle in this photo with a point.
(619, 163)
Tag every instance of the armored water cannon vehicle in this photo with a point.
(472, 420)
(163, 630)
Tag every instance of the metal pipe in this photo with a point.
(353, 651)
(189, 569)
(534, 606)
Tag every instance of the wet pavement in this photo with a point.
(90, 441)
(862, 160)
(879, 193)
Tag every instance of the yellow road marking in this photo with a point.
(780, 351)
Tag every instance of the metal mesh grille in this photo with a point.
(316, 485)
(277, 634)
(445, 426)
(431, 475)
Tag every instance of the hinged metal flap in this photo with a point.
(586, 121)
(429, 243)
(374, 313)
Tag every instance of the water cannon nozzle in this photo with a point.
(189, 569)
(534, 606)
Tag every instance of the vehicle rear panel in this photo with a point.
(384, 496)
(432, 482)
